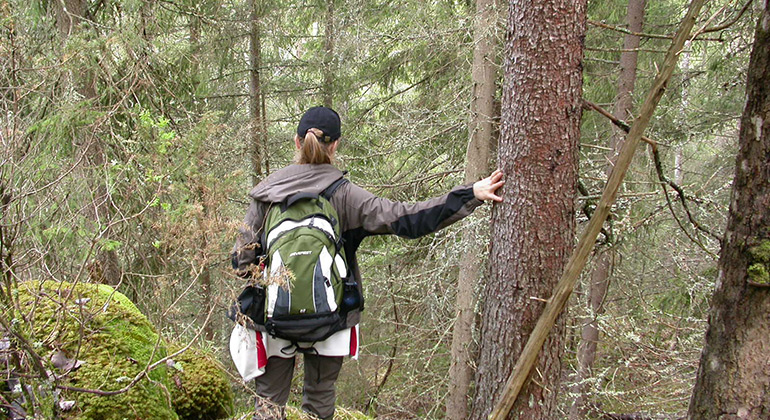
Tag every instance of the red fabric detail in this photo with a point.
(353, 341)
(261, 352)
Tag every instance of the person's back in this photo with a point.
(361, 214)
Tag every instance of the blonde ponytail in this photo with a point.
(312, 150)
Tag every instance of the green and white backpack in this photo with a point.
(306, 271)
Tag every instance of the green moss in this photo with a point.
(759, 267)
(758, 274)
(101, 327)
(761, 252)
(200, 389)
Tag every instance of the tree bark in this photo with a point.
(533, 229)
(256, 115)
(328, 60)
(481, 130)
(600, 276)
(734, 375)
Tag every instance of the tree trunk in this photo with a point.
(600, 276)
(328, 60)
(481, 131)
(533, 229)
(207, 292)
(105, 268)
(255, 94)
(734, 374)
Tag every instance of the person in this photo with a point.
(361, 214)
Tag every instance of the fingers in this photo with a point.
(496, 175)
(485, 189)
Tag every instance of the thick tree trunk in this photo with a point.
(734, 374)
(533, 229)
(600, 276)
(481, 129)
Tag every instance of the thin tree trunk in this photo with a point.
(265, 150)
(105, 268)
(734, 374)
(207, 292)
(600, 276)
(328, 68)
(533, 229)
(481, 130)
(255, 94)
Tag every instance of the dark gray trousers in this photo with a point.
(318, 394)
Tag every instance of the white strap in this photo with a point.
(288, 225)
(272, 289)
(325, 259)
(341, 268)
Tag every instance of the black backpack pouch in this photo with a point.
(305, 328)
(249, 307)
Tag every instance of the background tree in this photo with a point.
(603, 256)
(733, 366)
(532, 230)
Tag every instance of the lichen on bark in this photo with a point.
(759, 265)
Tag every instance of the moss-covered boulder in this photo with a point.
(200, 389)
(94, 338)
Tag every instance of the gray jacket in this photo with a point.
(361, 213)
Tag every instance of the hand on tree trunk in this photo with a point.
(485, 189)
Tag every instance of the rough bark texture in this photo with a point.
(533, 229)
(734, 374)
(481, 128)
(600, 276)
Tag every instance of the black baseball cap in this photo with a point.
(324, 119)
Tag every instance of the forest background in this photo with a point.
(132, 132)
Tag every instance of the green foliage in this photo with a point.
(161, 89)
(200, 390)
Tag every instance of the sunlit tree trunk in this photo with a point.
(533, 229)
(600, 277)
(734, 374)
(481, 129)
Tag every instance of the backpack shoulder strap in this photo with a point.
(331, 189)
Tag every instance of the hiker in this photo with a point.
(360, 214)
